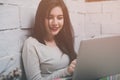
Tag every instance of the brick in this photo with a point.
(75, 6)
(93, 18)
(9, 16)
(106, 18)
(6, 61)
(115, 18)
(77, 21)
(21, 2)
(9, 63)
(30, 4)
(95, 7)
(77, 41)
(27, 17)
(111, 6)
(110, 18)
(82, 8)
(92, 30)
(111, 28)
(11, 41)
(77, 0)
(15, 2)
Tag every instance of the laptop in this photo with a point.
(98, 58)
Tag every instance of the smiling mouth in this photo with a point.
(54, 28)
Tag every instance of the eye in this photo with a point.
(50, 17)
(60, 17)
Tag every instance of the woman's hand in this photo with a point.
(71, 67)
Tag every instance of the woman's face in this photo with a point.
(54, 22)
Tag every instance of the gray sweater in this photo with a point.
(43, 62)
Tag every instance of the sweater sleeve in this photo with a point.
(32, 65)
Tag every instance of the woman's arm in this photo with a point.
(32, 65)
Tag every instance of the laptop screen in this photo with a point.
(97, 58)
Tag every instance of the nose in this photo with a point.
(55, 21)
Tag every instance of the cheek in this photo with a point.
(62, 23)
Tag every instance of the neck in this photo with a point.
(51, 43)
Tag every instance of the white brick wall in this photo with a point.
(16, 19)
(9, 16)
(27, 16)
(89, 19)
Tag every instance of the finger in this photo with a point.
(74, 61)
(72, 65)
(71, 69)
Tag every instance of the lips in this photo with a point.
(54, 28)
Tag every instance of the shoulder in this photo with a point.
(31, 41)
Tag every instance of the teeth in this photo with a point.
(54, 28)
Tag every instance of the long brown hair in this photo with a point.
(65, 38)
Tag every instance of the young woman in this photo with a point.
(49, 53)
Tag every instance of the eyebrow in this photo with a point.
(57, 15)
(60, 15)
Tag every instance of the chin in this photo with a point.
(55, 33)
